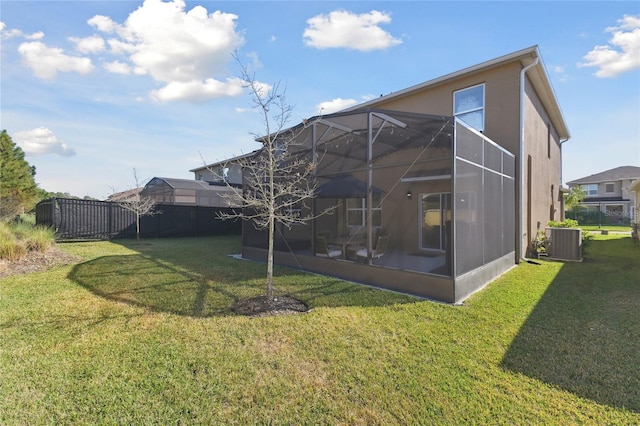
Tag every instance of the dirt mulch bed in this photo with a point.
(263, 306)
(36, 262)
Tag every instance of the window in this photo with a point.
(468, 106)
(591, 190)
(609, 188)
(357, 212)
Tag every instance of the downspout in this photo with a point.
(521, 155)
(561, 182)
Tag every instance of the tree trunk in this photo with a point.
(138, 228)
(270, 260)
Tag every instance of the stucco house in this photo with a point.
(609, 195)
(229, 170)
(439, 188)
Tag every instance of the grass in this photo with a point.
(18, 238)
(611, 228)
(144, 334)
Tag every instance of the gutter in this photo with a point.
(521, 155)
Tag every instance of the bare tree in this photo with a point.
(278, 180)
(139, 205)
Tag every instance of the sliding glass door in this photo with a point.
(435, 211)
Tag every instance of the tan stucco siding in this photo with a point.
(501, 102)
(542, 167)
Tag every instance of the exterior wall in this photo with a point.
(501, 102)
(634, 191)
(234, 174)
(542, 201)
(542, 181)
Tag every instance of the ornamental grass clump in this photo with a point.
(16, 240)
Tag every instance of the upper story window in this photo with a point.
(591, 190)
(468, 106)
(609, 188)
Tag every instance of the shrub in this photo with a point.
(17, 239)
(12, 249)
(40, 238)
(567, 223)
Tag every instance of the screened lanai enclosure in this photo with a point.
(420, 204)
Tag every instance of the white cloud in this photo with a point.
(335, 105)
(103, 23)
(198, 91)
(118, 47)
(622, 54)
(7, 34)
(343, 29)
(188, 51)
(92, 44)
(46, 62)
(42, 141)
(118, 67)
(560, 73)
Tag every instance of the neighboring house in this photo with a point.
(635, 189)
(187, 192)
(128, 195)
(229, 171)
(608, 194)
(457, 173)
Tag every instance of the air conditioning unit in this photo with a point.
(566, 243)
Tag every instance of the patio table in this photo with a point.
(345, 242)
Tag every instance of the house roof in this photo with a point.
(619, 173)
(189, 184)
(224, 162)
(537, 75)
(124, 195)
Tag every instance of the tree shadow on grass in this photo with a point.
(584, 334)
(169, 281)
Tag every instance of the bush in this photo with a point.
(17, 239)
(12, 250)
(567, 223)
(40, 239)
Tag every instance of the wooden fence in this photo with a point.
(75, 219)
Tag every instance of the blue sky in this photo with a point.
(93, 89)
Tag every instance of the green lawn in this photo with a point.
(611, 228)
(144, 334)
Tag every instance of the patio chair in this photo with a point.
(327, 236)
(323, 250)
(378, 251)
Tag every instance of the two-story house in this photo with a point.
(437, 188)
(227, 171)
(608, 195)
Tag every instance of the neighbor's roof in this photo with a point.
(124, 195)
(619, 173)
(537, 75)
(189, 184)
(225, 162)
